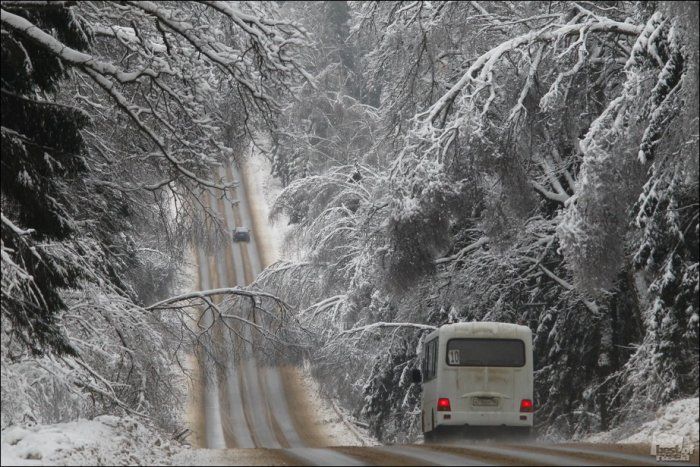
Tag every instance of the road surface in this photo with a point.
(247, 413)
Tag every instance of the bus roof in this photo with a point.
(481, 329)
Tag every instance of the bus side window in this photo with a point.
(428, 356)
(430, 361)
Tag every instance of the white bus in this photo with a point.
(476, 374)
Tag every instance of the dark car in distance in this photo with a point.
(241, 234)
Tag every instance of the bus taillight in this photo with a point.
(443, 404)
(526, 405)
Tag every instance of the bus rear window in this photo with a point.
(486, 352)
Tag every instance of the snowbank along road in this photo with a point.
(252, 414)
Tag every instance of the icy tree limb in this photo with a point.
(567, 174)
(107, 392)
(385, 325)
(14, 228)
(482, 241)
(121, 102)
(592, 306)
(559, 197)
(38, 4)
(479, 71)
(518, 111)
(99, 71)
(69, 55)
(183, 29)
(213, 292)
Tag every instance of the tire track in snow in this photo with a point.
(321, 456)
(519, 455)
(274, 389)
(213, 432)
(246, 219)
(429, 456)
(277, 399)
(234, 420)
(259, 411)
(250, 265)
(270, 378)
(242, 383)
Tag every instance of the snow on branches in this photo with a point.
(617, 151)
(477, 90)
(191, 309)
(177, 60)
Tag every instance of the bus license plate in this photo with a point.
(485, 402)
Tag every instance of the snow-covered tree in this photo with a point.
(329, 122)
(115, 115)
(524, 149)
(42, 148)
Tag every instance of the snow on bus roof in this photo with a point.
(482, 328)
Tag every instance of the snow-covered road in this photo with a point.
(496, 454)
(245, 404)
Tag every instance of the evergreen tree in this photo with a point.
(41, 149)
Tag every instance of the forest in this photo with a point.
(519, 162)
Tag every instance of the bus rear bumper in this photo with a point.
(484, 419)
